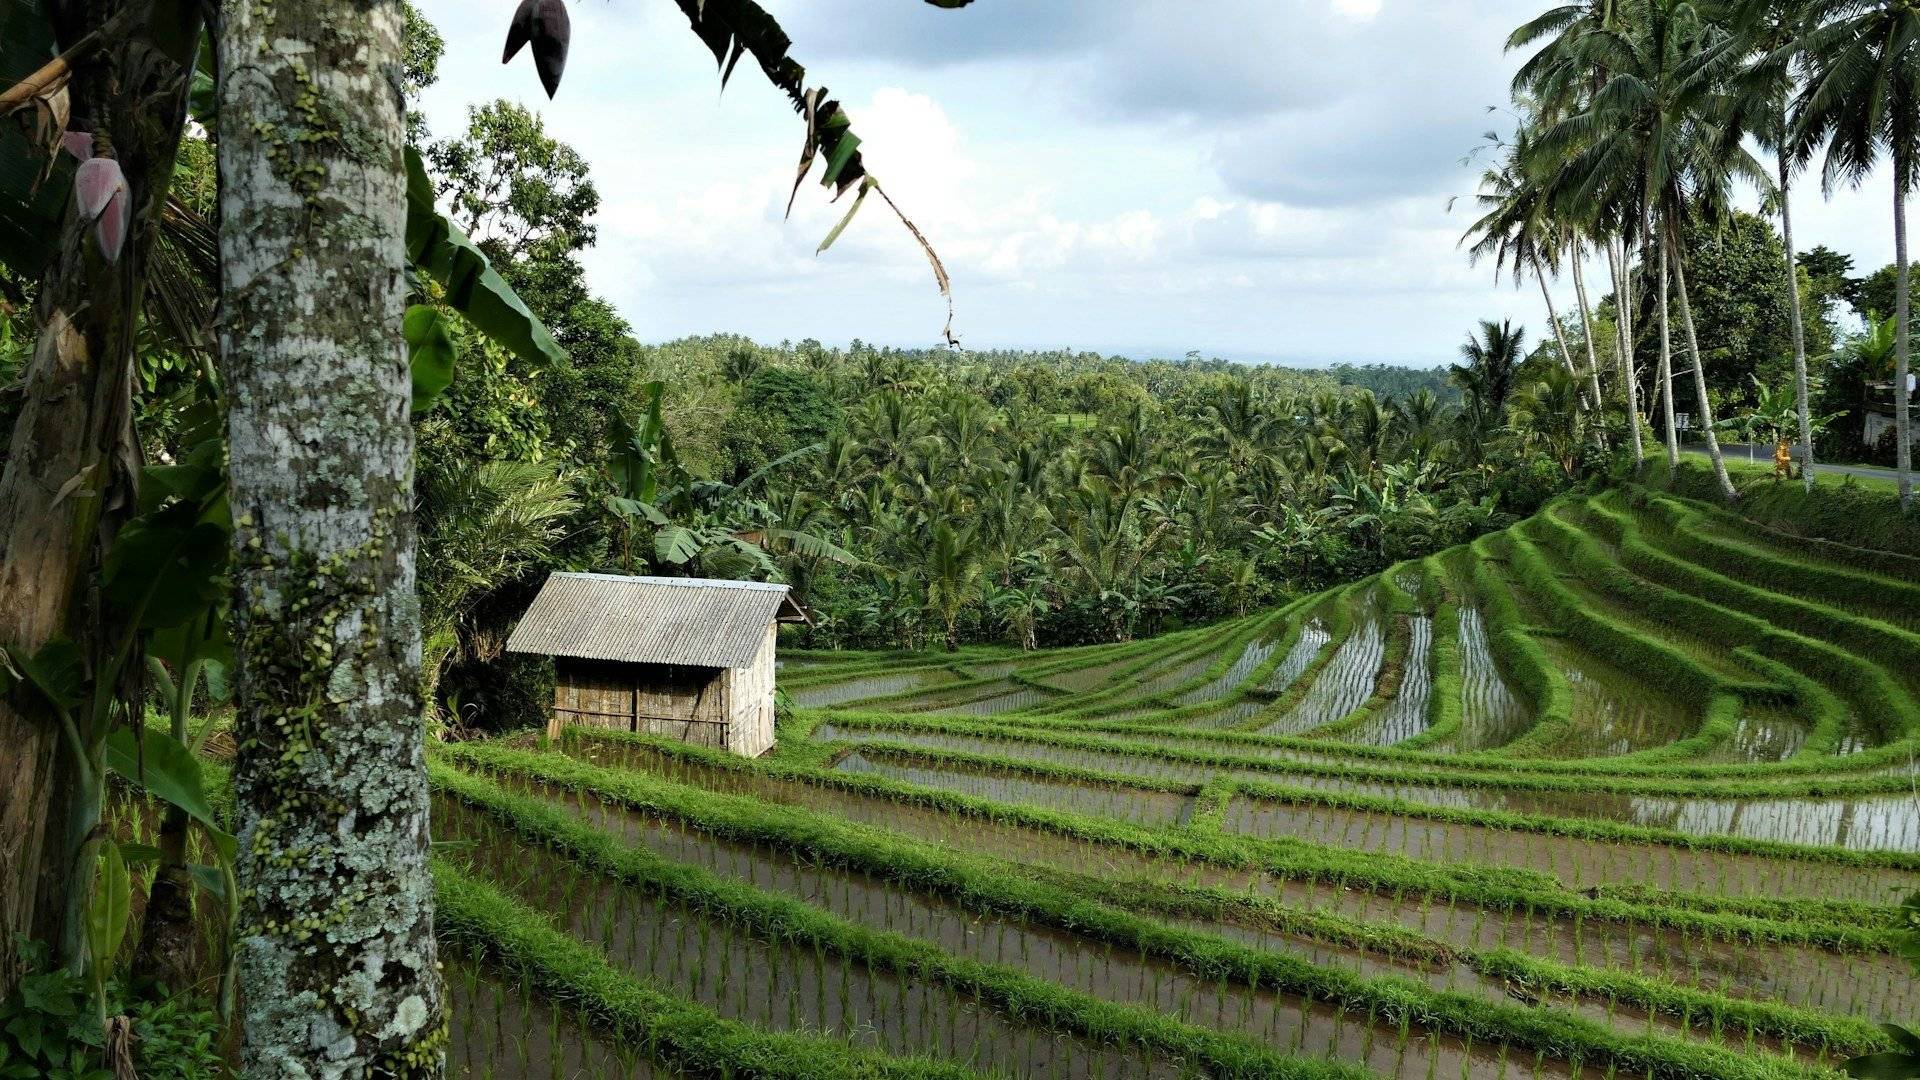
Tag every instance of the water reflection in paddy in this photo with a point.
(1491, 714)
(1346, 681)
(1406, 715)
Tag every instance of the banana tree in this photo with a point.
(1775, 416)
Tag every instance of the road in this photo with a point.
(1763, 455)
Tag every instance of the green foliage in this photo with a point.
(472, 286)
(430, 354)
(1737, 284)
(50, 1031)
(159, 764)
(106, 917)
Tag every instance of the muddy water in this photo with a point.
(1341, 686)
(1491, 714)
(1406, 715)
(1126, 804)
(1864, 823)
(504, 1033)
(1082, 964)
(779, 985)
(1613, 712)
(1576, 863)
(1866, 985)
(870, 686)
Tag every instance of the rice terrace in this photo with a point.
(1277, 540)
(1625, 789)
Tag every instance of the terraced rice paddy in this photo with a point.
(1597, 797)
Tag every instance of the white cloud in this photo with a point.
(1269, 180)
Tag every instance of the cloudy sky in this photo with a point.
(1256, 179)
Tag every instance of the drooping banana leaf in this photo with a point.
(473, 287)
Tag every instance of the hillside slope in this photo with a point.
(1622, 789)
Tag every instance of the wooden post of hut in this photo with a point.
(686, 658)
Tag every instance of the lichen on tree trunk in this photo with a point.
(337, 972)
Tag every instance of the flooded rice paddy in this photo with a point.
(1056, 955)
(1749, 862)
(1491, 713)
(871, 686)
(1346, 681)
(1861, 823)
(1313, 637)
(1613, 713)
(504, 1032)
(1575, 862)
(1406, 715)
(1802, 975)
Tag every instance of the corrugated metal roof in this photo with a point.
(651, 620)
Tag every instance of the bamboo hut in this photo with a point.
(687, 658)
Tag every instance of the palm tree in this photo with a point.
(481, 525)
(1561, 78)
(1518, 226)
(1544, 415)
(1771, 31)
(953, 578)
(1644, 147)
(1862, 97)
(1577, 241)
(1487, 377)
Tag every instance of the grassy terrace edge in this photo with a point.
(987, 888)
(478, 922)
(1785, 921)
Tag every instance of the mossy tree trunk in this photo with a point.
(72, 461)
(335, 950)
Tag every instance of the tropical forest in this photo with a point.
(509, 571)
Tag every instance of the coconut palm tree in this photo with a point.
(1771, 33)
(1518, 227)
(1862, 99)
(954, 574)
(1649, 146)
(1712, 157)
(1560, 79)
(1492, 359)
(1544, 415)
